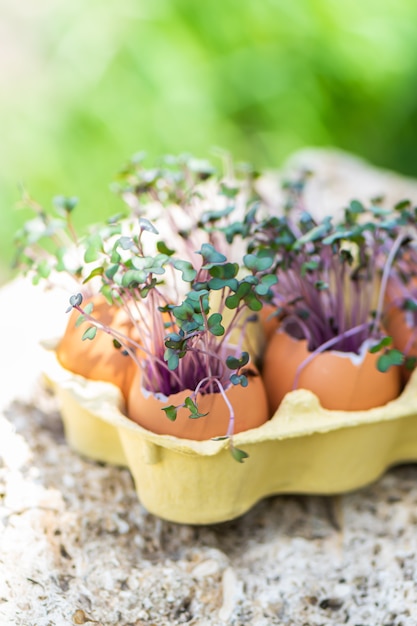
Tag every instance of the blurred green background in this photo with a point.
(85, 84)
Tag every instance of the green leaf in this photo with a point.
(163, 248)
(126, 243)
(383, 363)
(233, 363)
(337, 236)
(90, 333)
(200, 286)
(252, 302)
(214, 324)
(80, 320)
(133, 278)
(410, 363)
(215, 284)
(383, 343)
(98, 271)
(171, 412)
(213, 216)
(195, 416)
(231, 231)
(389, 359)
(94, 247)
(67, 205)
(115, 256)
(229, 192)
(232, 302)
(225, 270)
(396, 357)
(409, 305)
(210, 255)
(193, 408)
(145, 224)
(403, 204)
(241, 379)
(43, 269)
(191, 405)
(198, 296)
(262, 290)
(356, 207)
(114, 219)
(76, 299)
(309, 266)
(257, 263)
(238, 454)
(173, 361)
(317, 232)
(174, 341)
(186, 269)
(106, 291)
(249, 280)
(183, 311)
(150, 264)
(111, 271)
(269, 279)
(217, 331)
(91, 254)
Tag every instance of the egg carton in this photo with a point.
(302, 449)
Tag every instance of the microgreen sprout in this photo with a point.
(332, 276)
(184, 346)
(168, 262)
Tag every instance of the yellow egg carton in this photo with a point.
(302, 449)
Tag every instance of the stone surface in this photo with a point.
(76, 546)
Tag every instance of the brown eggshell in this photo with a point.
(339, 381)
(98, 359)
(249, 404)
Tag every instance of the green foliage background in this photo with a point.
(87, 83)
